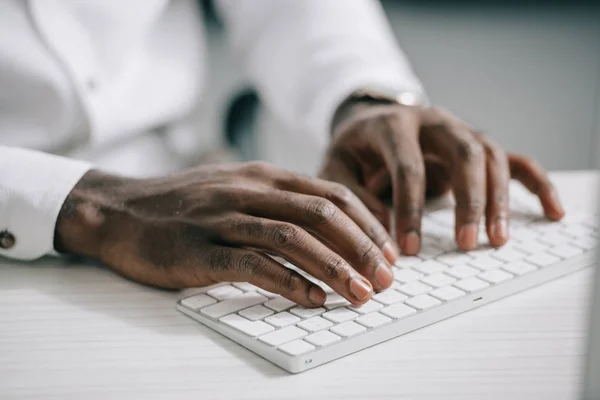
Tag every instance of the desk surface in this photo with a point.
(79, 331)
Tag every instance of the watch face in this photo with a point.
(403, 98)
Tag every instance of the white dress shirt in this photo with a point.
(88, 83)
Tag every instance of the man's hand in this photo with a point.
(216, 223)
(419, 151)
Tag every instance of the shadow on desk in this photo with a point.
(86, 289)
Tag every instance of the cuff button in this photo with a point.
(7, 240)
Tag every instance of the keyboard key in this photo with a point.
(485, 263)
(267, 294)
(279, 304)
(373, 320)
(398, 311)
(508, 255)
(423, 302)
(414, 288)
(348, 329)
(542, 259)
(462, 271)
(255, 313)
(282, 336)
(544, 226)
(532, 246)
(367, 308)
(444, 217)
(233, 305)
(250, 328)
(430, 251)
(406, 275)
(577, 230)
(282, 319)
(522, 234)
(447, 293)
(565, 251)
(315, 324)
(297, 347)
(407, 261)
(430, 267)
(481, 250)
(553, 239)
(324, 338)
(224, 292)
(389, 297)
(245, 286)
(438, 280)
(341, 314)
(307, 312)
(197, 302)
(334, 300)
(519, 268)
(454, 259)
(471, 284)
(495, 276)
(586, 242)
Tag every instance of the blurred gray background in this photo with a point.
(528, 75)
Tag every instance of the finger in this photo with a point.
(457, 146)
(531, 174)
(402, 155)
(436, 177)
(293, 243)
(349, 201)
(321, 217)
(497, 207)
(231, 264)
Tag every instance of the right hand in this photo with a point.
(215, 223)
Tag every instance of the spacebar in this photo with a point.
(233, 305)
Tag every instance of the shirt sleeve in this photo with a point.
(33, 187)
(307, 56)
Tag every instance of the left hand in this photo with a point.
(419, 151)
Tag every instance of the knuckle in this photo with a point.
(441, 111)
(495, 154)
(289, 281)
(377, 233)
(220, 259)
(253, 229)
(410, 171)
(472, 208)
(469, 150)
(366, 251)
(258, 168)
(321, 210)
(334, 268)
(249, 264)
(285, 235)
(340, 195)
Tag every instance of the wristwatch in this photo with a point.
(384, 95)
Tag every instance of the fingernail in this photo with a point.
(316, 295)
(500, 230)
(390, 252)
(384, 275)
(467, 237)
(411, 243)
(360, 289)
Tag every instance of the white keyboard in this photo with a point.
(439, 283)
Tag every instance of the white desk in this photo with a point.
(76, 331)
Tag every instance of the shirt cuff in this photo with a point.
(33, 188)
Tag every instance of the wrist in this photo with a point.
(84, 218)
(372, 102)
